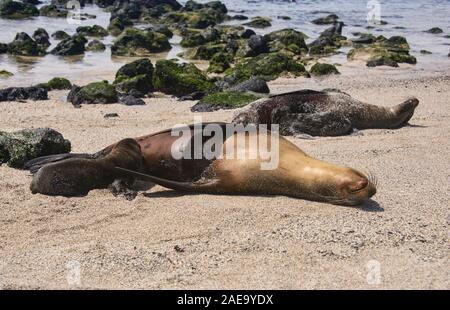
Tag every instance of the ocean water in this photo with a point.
(403, 17)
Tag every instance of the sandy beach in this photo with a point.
(164, 239)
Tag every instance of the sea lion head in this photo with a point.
(338, 185)
(77, 176)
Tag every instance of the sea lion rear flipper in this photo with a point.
(35, 164)
(204, 186)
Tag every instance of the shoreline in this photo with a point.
(240, 242)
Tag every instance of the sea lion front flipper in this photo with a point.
(201, 186)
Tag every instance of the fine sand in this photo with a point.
(164, 239)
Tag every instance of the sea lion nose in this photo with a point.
(358, 185)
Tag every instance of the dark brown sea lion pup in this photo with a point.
(323, 113)
(150, 158)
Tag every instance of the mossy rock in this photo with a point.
(119, 24)
(93, 93)
(270, 66)
(193, 39)
(320, 69)
(74, 45)
(95, 46)
(327, 20)
(219, 62)
(56, 83)
(224, 100)
(198, 19)
(17, 148)
(92, 31)
(135, 42)
(259, 22)
(5, 74)
(3, 48)
(24, 45)
(52, 11)
(178, 79)
(435, 30)
(288, 40)
(137, 75)
(17, 10)
(383, 51)
(207, 51)
(60, 35)
(42, 38)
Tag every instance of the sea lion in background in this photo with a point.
(323, 113)
(150, 158)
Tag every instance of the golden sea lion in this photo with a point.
(237, 167)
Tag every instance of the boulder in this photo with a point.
(23, 93)
(327, 20)
(269, 66)
(5, 74)
(259, 22)
(435, 30)
(56, 83)
(52, 11)
(137, 75)
(92, 31)
(130, 100)
(42, 38)
(179, 79)
(60, 35)
(24, 45)
(16, 148)
(382, 51)
(74, 45)
(320, 69)
(93, 93)
(95, 46)
(118, 24)
(254, 84)
(135, 42)
(17, 10)
(289, 40)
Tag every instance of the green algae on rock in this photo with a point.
(56, 83)
(16, 148)
(136, 42)
(52, 10)
(24, 45)
(93, 93)
(92, 31)
(95, 46)
(219, 62)
(224, 100)
(137, 75)
(389, 52)
(179, 79)
(259, 22)
(17, 10)
(288, 40)
(269, 66)
(320, 69)
(5, 74)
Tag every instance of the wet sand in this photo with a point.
(240, 242)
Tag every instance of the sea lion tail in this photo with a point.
(35, 164)
(205, 186)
